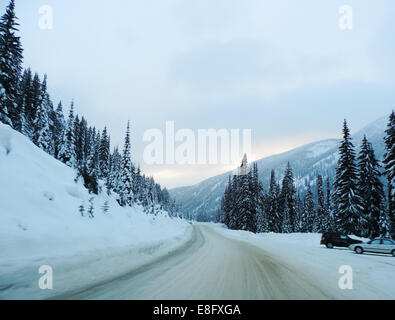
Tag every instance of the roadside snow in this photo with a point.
(373, 274)
(41, 224)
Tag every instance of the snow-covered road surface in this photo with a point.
(211, 266)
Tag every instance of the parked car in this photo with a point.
(335, 239)
(378, 245)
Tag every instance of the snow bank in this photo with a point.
(41, 222)
(373, 274)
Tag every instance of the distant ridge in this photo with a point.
(202, 200)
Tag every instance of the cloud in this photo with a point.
(249, 68)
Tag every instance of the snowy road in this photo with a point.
(211, 266)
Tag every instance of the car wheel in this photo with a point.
(358, 250)
(393, 253)
(329, 245)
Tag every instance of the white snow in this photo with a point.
(40, 223)
(373, 274)
(321, 147)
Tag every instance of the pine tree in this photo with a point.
(309, 211)
(36, 96)
(347, 201)
(10, 64)
(104, 154)
(91, 166)
(42, 134)
(328, 207)
(245, 204)
(20, 122)
(125, 181)
(59, 128)
(115, 169)
(272, 205)
(258, 208)
(67, 151)
(384, 225)
(47, 106)
(137, 186)
(321, 210)
(79, 143)
(301, 225)
(226, 204)
(370, 190)
(389, 166)
(287, 203)
(24, 123)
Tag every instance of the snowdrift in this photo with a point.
(41, 221)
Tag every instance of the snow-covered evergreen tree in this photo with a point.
(389, 165)
(226, 203)
(91, 166)
(10, 64)
(287, 204)
(104, 154)
(258, 208)
(36, 96)
(79, 143)
(322, 214)
(42, 134)
(67, 151)
(242, 204)
(329, 206)
(24, 123)
(301, 225)
(370, 190)
(20, 123)
(138, 187)
(59, 128)
(48, 109)
(125, 179)
(384, 225)
(272, 205)
(347, 201)
(309, 211)
(115, 169)
(245, 205)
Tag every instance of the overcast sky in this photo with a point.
(284, 69)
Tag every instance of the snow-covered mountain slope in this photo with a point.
(202, 200)
(40, 217)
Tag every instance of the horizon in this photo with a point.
(294, 148)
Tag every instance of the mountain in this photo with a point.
(202, 201)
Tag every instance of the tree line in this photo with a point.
(26, 106)
(355, 203)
